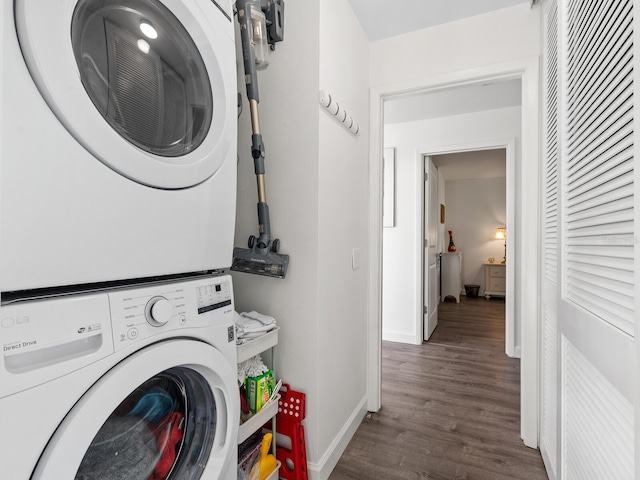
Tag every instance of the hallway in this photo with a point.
(450, 407)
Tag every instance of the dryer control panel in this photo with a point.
(157, 309)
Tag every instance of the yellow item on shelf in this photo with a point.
(267, 463)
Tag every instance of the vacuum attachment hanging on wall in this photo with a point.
(261, 22)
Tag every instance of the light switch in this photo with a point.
(355, 259)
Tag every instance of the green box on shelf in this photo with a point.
(258, 390)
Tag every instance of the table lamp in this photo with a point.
(501, 234)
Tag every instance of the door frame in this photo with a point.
(509, 145)
(527, 293)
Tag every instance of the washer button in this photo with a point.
(132, 333)
(158, 311)
(183, 319)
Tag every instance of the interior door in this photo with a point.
(430, 269)
(596, 319)
(549, 401)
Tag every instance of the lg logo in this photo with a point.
(9, 322)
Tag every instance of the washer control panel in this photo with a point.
(153, 310)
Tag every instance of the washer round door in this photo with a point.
(146, 86)
(170, 411)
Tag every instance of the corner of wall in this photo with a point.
(322, 469)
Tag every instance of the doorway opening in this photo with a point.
(410, 246)
(470, 202)
(525, 234)
(409, 249)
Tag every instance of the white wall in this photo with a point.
(401, 266)
(288, 92)
(474, 209)
(343, 227)
(474, 42)
(316, 174)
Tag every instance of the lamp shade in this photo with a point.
(501, 233)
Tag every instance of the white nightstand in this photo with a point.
(494, 279)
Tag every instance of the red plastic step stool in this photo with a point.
(291, 412)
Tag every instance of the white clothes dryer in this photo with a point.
(119, 140)
(130, 384)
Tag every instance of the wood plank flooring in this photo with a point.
(450, 407)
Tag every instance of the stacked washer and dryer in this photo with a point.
(117, 208)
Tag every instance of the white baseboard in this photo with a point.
(399, 337)
(547, 463)
(322, 469)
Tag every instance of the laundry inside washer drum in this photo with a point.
(164, 429)
(123, 448)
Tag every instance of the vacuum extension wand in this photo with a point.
(262, 256)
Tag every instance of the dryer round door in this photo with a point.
(168, 411)
(146, 86)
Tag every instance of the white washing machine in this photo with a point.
(126, 384)
(118, 140)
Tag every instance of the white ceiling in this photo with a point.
(387, 18)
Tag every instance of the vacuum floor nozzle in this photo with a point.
(259, 262)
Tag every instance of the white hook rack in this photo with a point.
(338, 112)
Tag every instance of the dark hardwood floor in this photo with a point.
(450, 407)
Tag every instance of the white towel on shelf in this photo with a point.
(259, 317)
(252, 324)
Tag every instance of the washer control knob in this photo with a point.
(158, 311)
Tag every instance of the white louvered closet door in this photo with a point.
(597, 278)
(549, 401)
